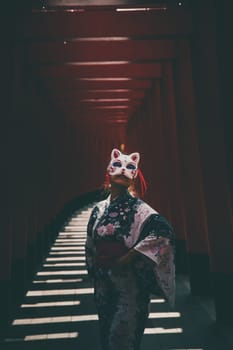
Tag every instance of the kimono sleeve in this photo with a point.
(156, 239)
(89, 245)
(156, 242)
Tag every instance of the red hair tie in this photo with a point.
(107, 180)
(143, 183)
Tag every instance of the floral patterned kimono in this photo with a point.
(122, 298)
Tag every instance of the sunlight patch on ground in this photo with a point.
(81, 234)
(65, 253)
(163, 330)
(68, 244)
(71, 240)
(64, 264)
(73, 280)
(75, 228)
(55, 319)
(164, 314)
(60, 292)
(62, 272)
(68, 248)
(157, 301)
(79, 258)
(52, 304)
(51, 336)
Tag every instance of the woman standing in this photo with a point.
(129, 254)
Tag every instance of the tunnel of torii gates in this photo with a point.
(79, 80)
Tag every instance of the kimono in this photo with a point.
(122, 298)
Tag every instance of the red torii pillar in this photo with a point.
(195, 212)
(156, 134)
(212, 143)
(172, 163)
(156, 152)
(6, 260)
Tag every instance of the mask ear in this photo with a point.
(115, 153)
(135, 157)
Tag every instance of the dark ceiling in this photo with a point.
(97, 60)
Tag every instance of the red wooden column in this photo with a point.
(131, 131)
(224, 37)
(210, 117)
(144, 134)
(7, 58)
(18, 202)
(172, 161)
(149, 153)
(7, 100)
(153, 131)
(192, 182)
(158, 185)
(5, 255)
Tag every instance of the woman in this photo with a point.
(129, 254)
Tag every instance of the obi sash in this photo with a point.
(107, 252)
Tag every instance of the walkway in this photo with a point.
(58, 311)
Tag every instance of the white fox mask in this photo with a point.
(123, 164)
